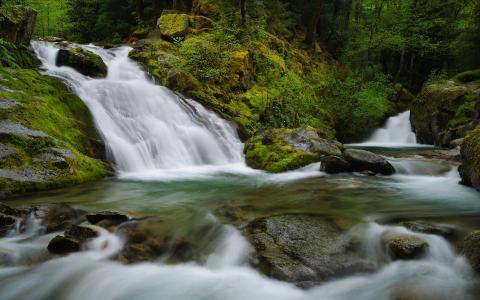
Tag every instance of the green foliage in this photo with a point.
(16, 56)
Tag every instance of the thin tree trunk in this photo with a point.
(313, 22)
(243, 11)
(400, 66)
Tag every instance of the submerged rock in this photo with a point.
(111, 216)
(6, 223)
(470, 154)
(470, 248)
(361, 160)
(304, 249)
(80, 233)
(84, 61)
(445, 231)
(404, 246)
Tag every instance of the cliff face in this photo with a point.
(17, 24)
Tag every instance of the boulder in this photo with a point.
(84, 61)
(446, 111)
(200, 23)
(304, 249)
(80, 233)
(335, 164)
(7, 222)
(470, 156)
(361, 160)
(57, 217)
(173, 24)
(281, 149)
(470, 248)
(17, 23)
(63, 245)
(112, 216)
(205, 8)
(404, 246)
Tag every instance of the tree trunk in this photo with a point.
(243, 11)
(400, 66)
(313, 22)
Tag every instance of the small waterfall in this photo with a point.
(396, 132)
(146, 127)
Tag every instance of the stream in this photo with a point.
(178, 161)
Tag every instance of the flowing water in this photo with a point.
(182, 163)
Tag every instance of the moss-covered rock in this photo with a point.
(84, 61)
(17, 23)
(470, 152)
(48, 138)
(173, 24)
(470, 248)
(468, 76)
(446, 111)
(206, 8)
(279, 150)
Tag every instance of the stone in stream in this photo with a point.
(57, 217)
(470, 248)
(84, 61)
(362, 160)
(80, 233)
(112, 216)
(404, 246)
(335, 164)
(446, 231)
(6, 223)
(304, 249)
(63, 245)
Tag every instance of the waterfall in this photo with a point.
(146, 127)
(396, 132)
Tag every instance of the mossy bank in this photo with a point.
(47, 136)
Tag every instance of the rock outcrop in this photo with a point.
(304, 249)
(470, 248)
(17, 23)
(84, 61)
(446, 111)
(470, 155)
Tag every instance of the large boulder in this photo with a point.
(280, 149)
(304, 249)
(84, 61)
(445, 111)
(173, 24)
(470, 248)
(17, 23)
(470, 153)
(362, 160)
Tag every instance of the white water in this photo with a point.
(397, 132)
(146, 127)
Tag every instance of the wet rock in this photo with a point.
(362, 160)
(173, 24)
(303, 249)
(470, 248)
(6, 104)
(112, 216)
(80, 233)
(470, 152)
(57, 217)
(404, 246)
(63, 245)
(5, 209)
(9, 127)
(445, 231)
(335, 164)
(151, 238)
(84, 61)
(28, 175)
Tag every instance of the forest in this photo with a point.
(239, 149)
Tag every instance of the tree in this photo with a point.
(315, 13)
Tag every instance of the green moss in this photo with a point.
(172, 24)
(86, 62)
(470, 150)
(468, 76)
(16, 56)
(46, 105)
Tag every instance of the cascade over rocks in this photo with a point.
(84, 61)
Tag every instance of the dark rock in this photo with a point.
(470, 248)
(112, 216)
(445, 231)
(17, 24)
(470, 152)
(7, 210)
(57, 217)
(9, 127)
(63, 245)
(335, 164)
(84, 61)
(6, 223)
(362, 160)
(80, 233)
(404, 246)
(304, 249)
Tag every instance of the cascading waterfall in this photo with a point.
(146, 127)
(396, 132)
